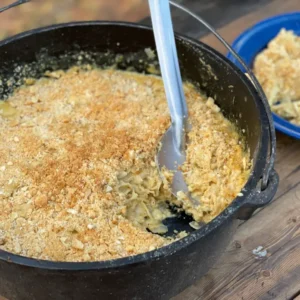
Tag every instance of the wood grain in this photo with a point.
(233, 29)
(45, 12)
(216, 12)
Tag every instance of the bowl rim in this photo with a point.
(259, 158)
(241, 41)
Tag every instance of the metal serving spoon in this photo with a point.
(171, 153)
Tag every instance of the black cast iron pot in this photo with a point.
(165, 272)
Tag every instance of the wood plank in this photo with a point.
(233, 29)
(287, 165)
(216, 12)
(45, 12)
(242, 275)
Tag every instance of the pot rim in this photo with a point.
(228, 213)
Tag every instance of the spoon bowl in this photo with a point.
(170, 158)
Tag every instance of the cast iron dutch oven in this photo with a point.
(165, 272)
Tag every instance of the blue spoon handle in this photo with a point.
(168, 60)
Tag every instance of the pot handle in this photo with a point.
(268, 170)
(16, 3)
(259, 198)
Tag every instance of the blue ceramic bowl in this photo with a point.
(254, 40)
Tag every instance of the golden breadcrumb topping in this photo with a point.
(78, 179)
(278, 70)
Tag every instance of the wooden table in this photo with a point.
(239, 274)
